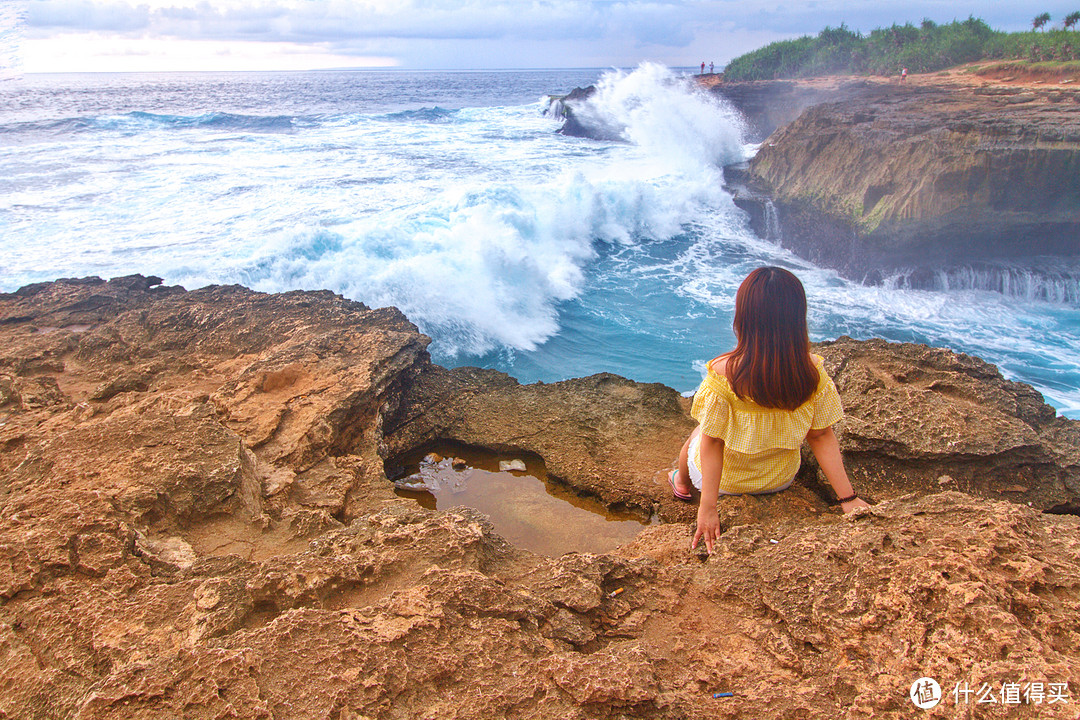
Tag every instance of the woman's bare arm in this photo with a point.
(712, 465)
(826, 449)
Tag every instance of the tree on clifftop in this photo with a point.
(1040, 20)
(922, 48)
(1071, 19)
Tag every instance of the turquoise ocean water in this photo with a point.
(451, 196)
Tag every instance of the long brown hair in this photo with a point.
(771, 364)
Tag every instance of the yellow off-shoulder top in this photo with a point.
(761, 445)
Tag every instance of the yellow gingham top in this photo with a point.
(761, 445)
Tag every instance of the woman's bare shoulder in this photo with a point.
(719, 364)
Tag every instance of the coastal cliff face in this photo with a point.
(888, 177)
(771, 104)
(195, 521)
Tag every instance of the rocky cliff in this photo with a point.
(875, 178)
(195, 521)
(770, 104)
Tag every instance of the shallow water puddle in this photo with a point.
(48, 329)
(524, 507)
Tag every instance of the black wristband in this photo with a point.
(853, 496)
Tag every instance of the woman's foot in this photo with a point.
(678, 492)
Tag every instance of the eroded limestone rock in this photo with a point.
(221, 540)
(915, 414)
(918, 179)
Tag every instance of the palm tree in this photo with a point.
(1040, 20)
(1071, 19)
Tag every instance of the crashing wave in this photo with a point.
(653, 107)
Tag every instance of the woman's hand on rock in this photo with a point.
(853, 504)
(708, 528)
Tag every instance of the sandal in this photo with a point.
(685, 497)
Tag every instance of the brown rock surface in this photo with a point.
(915, 415)
(919, 418)
(195, 522)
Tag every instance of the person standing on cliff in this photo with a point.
(758, 403)
(702, 67)
(710, 68)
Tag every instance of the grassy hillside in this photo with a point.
(923, 48)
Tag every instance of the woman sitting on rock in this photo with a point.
(758, 403)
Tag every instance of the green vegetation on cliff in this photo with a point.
(925, 48)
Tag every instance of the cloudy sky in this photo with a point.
(130, 35)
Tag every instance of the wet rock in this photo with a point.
(436, 473)
(580, 119)
(417, 482)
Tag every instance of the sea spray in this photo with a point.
(484, 263)
(670, 117)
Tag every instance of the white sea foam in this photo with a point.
(668, 116)
(482, 259)
(1055, 280)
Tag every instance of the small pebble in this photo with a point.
(505, 465)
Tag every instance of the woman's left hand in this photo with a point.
(852, 504)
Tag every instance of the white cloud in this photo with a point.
(87, 15)
(316, 20)
(97, 52)
(12, 24)
(478, 33)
